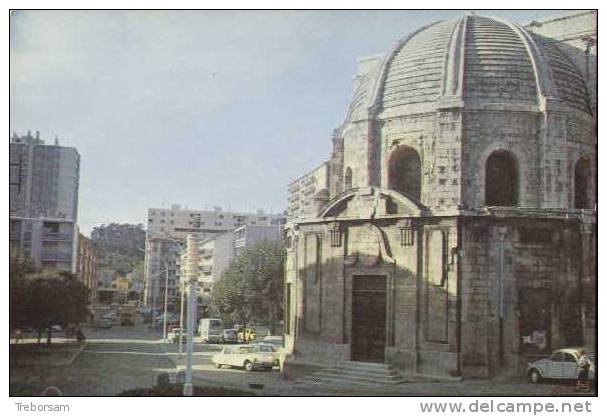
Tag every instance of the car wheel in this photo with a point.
(217, 365)
(534, 376)
(248, 366)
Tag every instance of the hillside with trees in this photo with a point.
(120, 250)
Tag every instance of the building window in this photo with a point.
(501, 180)
(404, 172)
(335, 235)
(582, 179)
(407, 234)
(348, 179)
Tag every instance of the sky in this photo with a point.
(198, 108)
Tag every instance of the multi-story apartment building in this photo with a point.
(304, 190)
(166, 234)
(43, 201)
(218, 251)
(86, 265)
(247, 235)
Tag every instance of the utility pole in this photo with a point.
(192, 277)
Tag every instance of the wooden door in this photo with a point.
(368, 318)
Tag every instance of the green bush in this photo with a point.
(177, 390)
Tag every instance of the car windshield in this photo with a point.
(214, 324)
(267, 348)
(245, 350)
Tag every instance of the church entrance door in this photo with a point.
(368, 318)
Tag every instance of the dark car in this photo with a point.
(229, 336)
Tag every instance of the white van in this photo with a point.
(210, 330)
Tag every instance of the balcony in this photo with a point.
(57, 236)
(56, 256)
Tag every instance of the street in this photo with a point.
(124, 358)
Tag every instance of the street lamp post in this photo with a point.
(166, 296)
(192, 276)
(166, 289)
(182, 290)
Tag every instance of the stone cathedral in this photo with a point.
(453, 229)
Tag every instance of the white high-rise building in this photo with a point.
(43, 201)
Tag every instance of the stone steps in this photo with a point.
(350, 374)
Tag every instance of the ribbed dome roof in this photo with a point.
(480, 60)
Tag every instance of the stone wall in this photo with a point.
(488, 131)
(535, 273)
(356, 152)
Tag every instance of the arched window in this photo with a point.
(405, 173)
(582, 179)
(501, 180)
(348, 179)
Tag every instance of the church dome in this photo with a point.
(477, 62)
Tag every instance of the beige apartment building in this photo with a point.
(304, 189)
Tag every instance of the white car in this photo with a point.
(249, 357)
(562, 364)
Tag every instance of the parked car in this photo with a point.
(113, 316)
(174, 334)
(562, 364)
(246, 335)
(249, 357)
(127, 315)
(172, 319)
(210, 329)
(275, 340)
(230, 336)
(104, 323)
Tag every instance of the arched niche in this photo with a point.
(501, 179)
(582, 184)
(348, 179)
(404, 172)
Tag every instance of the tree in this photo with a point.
(251, 287)
(41, 300)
